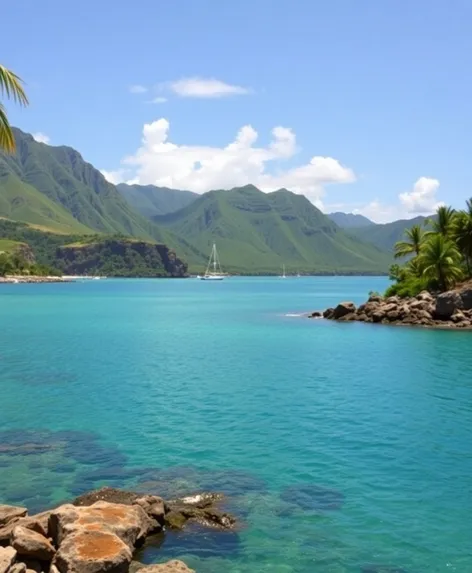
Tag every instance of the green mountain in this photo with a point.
(61, 175)
(386, 235)
(258, 232)
(22, 202)
(350, 220)
(150, 200)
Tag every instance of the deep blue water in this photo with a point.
(344, 447)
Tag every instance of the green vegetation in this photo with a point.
(11, 87)
(257, 232)
(91, 254)
(439, 257)
(150, 200)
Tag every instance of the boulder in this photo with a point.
(7, 558)
(458, 316)
(10, 512)
(378, 316)
(92, 551)
(130, 523)
(173, 566)
(393, 300)
(393, 315)
(375, 298)
(18, 568)
(344, 308)
(349, 317)
(315, 314)
(29, 543)
(38, 522)
(447, 303)
(154, 507)
(361, 317)
(328, 313)
(466, 297)
(425, 296)
(419, 304)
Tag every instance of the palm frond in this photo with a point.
(7, 139)
(11, 86)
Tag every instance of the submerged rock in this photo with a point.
(173, 566)
(313, 497)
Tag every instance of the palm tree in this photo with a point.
(11, 87)
(414, 241)
(444, 221)
(440, 261)
(462, 234)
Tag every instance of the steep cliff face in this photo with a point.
(120, 258)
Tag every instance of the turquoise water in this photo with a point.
(344, 447)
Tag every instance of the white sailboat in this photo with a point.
(213, 271)
(283, 274)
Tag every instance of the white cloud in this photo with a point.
(201, 168)
(138, 89)
(422, 199)
(158, 100)
(114, 177)
(41, 137)
(205, 88)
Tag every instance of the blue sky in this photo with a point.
(377, 92)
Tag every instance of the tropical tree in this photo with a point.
(462, 234)
(444, 221)
(11, 87)
(440, 261)
(412, 245)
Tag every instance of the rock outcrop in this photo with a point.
(452, 309)
(99, 532)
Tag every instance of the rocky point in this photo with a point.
(451, 309)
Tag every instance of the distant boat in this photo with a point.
(213, 271)
(283, 272)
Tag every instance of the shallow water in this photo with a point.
(345, 447)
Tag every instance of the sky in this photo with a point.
(363, 106)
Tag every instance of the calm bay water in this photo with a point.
(345, 447)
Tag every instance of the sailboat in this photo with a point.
(213, 271)
(283, 274)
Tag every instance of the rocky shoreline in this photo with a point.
(15, 279)
(100, 531)
(448, 310)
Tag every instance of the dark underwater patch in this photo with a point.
(374, 568)
(313, 497)
(194, 540)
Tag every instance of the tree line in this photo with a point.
(439, 253)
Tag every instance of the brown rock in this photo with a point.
(10, 512)
(154, 507)
(92, 551)
(393, 315)
(426, 296)
(129, 522)
(361, 317)
(110, 494)
(7, 558)
(31, 544)
(38, 522)
(173, 566)
(18, 568)
(315, 314)
(378, 316)
(344, 308)
(348, 317)
(375, 298)
(175, 520)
